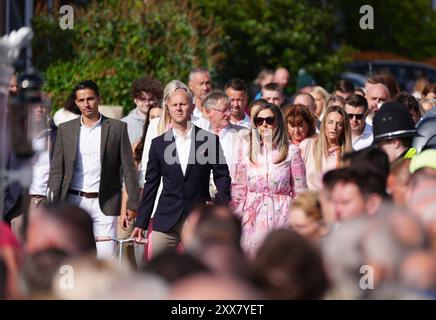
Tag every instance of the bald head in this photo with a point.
(306, 100)
(281, 76)
(376, 94)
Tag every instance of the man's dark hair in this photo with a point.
(408, 100)
(367, 180)
(371, 156)
(219, 225)
(40, 269)
(273, 86)
(288, 266)
(76, 224)
(149, 85)
(236, 84)
(173, 266)
(344, 86)
(356, 101)
(86, 84)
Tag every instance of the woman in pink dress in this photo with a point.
(266, 177)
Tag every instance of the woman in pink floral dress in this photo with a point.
(266, 177)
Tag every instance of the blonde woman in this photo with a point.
(320, 96)
(159, 125)
(305, 217)
(323, 152)
(267, 175)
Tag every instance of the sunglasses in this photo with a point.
(258, 121)
(358, 116)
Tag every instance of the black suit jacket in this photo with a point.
(181, 192)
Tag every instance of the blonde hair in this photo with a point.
(321, 142)
(280, 138)
(169, 91)
(309, 203)
(325, 96)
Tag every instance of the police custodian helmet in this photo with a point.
(393, 120)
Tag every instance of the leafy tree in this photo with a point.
(115, 42)
(272, 33)
(400, 26)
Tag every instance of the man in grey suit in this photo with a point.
(91, 158)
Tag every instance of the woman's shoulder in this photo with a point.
(303, 144)
(153, 127)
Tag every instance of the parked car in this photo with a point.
(357, 79)
(406, 72)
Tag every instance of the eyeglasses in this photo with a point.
(358, 116)
(225, 111)
(258, 121)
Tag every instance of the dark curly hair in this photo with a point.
(409, 101)
(147, 84)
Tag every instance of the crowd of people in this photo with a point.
(244, 192)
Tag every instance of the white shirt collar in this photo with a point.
(367, 131)
(94, 125)
(177, 134)
(246, 120)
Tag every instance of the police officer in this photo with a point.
(394, 129)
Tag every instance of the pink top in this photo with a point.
(262, 192)
(314, 177)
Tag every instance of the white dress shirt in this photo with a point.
(199, 119)
(364, 140)
(183, 146)
(246, 122)
(87, 165)
(369, 119)
(228, 137)
(40, 167)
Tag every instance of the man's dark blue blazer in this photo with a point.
(181, 192)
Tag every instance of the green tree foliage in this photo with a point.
(114, 42)
(400, 26)
(272, 33)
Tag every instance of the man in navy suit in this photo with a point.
(183, 157)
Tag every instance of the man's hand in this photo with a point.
(131, 214)
(137, 234)
(126, 218)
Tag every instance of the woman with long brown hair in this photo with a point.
(266, 177)
(300, 123)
